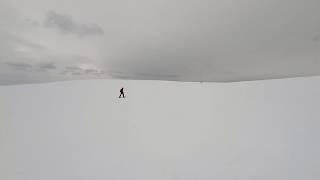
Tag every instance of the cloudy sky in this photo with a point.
(184, 40)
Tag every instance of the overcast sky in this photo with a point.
(187, 40)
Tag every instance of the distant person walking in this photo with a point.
(121, 93)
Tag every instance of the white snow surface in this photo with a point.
(81, 130)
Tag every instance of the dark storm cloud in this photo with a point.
(66, 25)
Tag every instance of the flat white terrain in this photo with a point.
(81, 130)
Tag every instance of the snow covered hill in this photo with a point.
(81, 130)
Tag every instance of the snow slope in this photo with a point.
(80, 130)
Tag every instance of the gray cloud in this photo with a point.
(172, 40)
(145, 76)
(76, 73)
(26, 43)
(19, 66)
(47, 66)
(24, 66)
(66, 25)
(316, 38)
(32, 22)
(73, 68)
(91, 71)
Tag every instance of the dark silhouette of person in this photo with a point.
(121, 93)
